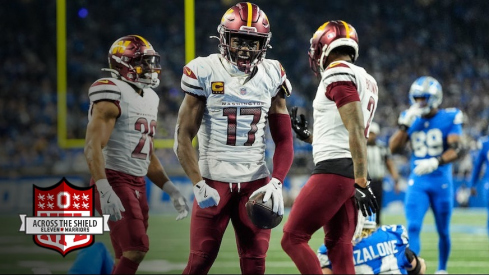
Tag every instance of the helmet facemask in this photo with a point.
(143, 71)
(365, 227)
(243, 50)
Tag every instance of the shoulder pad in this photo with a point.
(338, 72)
(104, 88)
(459, 116)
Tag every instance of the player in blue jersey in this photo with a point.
(435, 138)
(383, 250)
(481, 159)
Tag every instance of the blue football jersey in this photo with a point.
(428, 137)
(381, 252)
(481, 159)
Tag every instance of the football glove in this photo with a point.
(109, 201)
(179, 201)
(425, 166)
(205, 195)
(299, 125)
(407, 117)
(273, 190)
(366, 200)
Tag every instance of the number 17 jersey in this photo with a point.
(232, 132)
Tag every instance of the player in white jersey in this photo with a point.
(230, 97)
(344, 106)
(119, 148)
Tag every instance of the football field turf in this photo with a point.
(169, 246)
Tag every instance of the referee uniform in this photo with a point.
(377, 155)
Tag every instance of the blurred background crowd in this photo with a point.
(399, 41)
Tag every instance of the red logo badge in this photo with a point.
(63, 217)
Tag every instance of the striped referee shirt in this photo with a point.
(377, 155)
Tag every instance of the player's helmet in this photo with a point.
(133, 59)
(328, 36)
(365, 226)
(429, 88)
(247, 20)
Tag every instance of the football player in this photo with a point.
(383, 250)
(230, 97)
(481, 160)
(344, 107)
(119, 147)
(434, 135)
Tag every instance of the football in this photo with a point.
(260, 212)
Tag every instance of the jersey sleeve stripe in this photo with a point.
(104, 95)
(201, 97)
(341, 77)
(191, 86)
(105, 91)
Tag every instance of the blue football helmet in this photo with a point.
(429, 88)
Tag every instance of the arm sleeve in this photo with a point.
(474, 177)
(281, 131)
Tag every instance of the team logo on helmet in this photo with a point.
(133, 59)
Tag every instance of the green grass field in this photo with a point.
(170, 245)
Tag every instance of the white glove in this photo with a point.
(179, 201)
(407, 117)
(205, 195)
(274, 190)
(109, 201)
(425, 166)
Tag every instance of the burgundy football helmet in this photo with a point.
(329, 36)
(248, 21)
(133, 59)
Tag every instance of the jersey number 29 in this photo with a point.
(147, 131)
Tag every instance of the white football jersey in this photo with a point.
(330, 136)
(232, 133)
(131, 142)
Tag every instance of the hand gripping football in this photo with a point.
(260, 212)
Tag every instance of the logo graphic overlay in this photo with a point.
(64, 217)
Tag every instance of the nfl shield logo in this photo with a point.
(63, 200)
(242, 91)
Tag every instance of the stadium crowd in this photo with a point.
(400, 41)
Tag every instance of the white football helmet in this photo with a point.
(365, 225)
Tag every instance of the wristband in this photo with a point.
(440, 160)
(169, 187)
(403, 127)
(103, 185)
